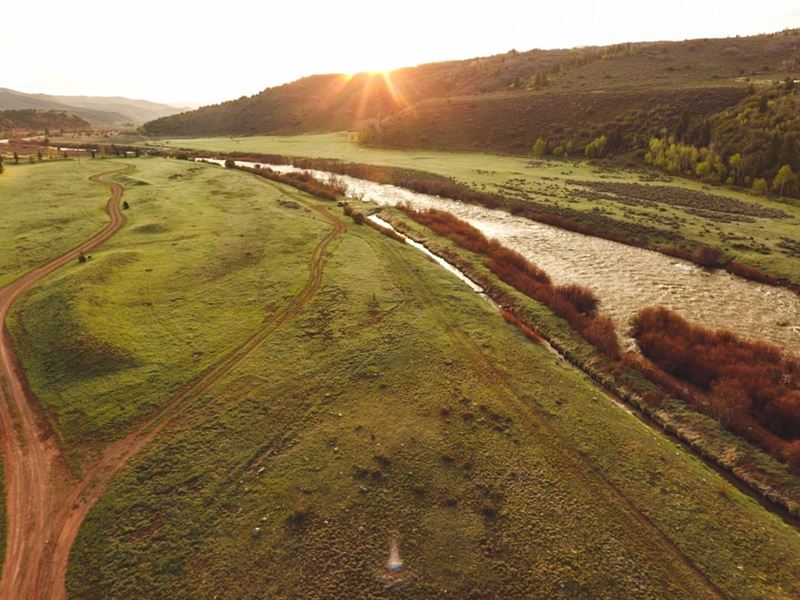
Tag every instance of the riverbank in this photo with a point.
(631, 212)
(628, 380)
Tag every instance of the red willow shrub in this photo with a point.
(745, 379)
(573, 303)
(302, 181)
(583, 299)
(523, 326)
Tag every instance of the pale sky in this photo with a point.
(202, 52)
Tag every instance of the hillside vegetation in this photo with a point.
(620, 96)
(35, 121)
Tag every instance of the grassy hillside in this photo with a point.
(136, 111)
(638, 205)
(537, 84)
(36, 121)
(396, 405)
(511, 122)
(48, 209)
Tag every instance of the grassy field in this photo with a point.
(152, 308)
(396, 405)
(48, 208)
(766, 243)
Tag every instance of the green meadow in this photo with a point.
(767, 243)
(396, 405)
(152, 307)
(48, 208)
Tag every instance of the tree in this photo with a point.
(613, 141)
(785, 179)
(728, 402)
(2, 168)
(596, 148)
(760, 186)
(683, 125)
(735, 162)
(16, 158)
(540, 148)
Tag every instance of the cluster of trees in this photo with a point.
(709, 166)
(754, 144)
(752, 388)
(575, 304)
(599, 147)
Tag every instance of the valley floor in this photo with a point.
(304, 392)
(616, 198)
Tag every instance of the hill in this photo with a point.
(541, 79)
(100, 112)
(31, 120)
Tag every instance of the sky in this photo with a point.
(195, 52)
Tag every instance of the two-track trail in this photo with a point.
(46, 502)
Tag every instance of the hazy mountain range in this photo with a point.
(100, 112)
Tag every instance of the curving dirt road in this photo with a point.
(35, 471)
(46, 503)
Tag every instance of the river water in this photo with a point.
(625, 278)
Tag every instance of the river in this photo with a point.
(625, 278)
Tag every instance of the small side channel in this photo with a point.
(438, 259)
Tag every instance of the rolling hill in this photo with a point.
(595, 85)
(712, 99)
(32, 120)
(100, 112)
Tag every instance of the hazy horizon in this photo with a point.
(158, 59)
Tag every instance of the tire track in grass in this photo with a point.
(577, 465)
(85, 494)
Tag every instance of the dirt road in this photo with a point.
(35, 472)
(46, 503)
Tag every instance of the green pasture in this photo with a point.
(201, 262)
(47, 209)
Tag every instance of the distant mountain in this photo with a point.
(35, 121)
(99, 111)
(139, 111)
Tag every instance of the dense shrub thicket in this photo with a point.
(328, 190)
(752, 387)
